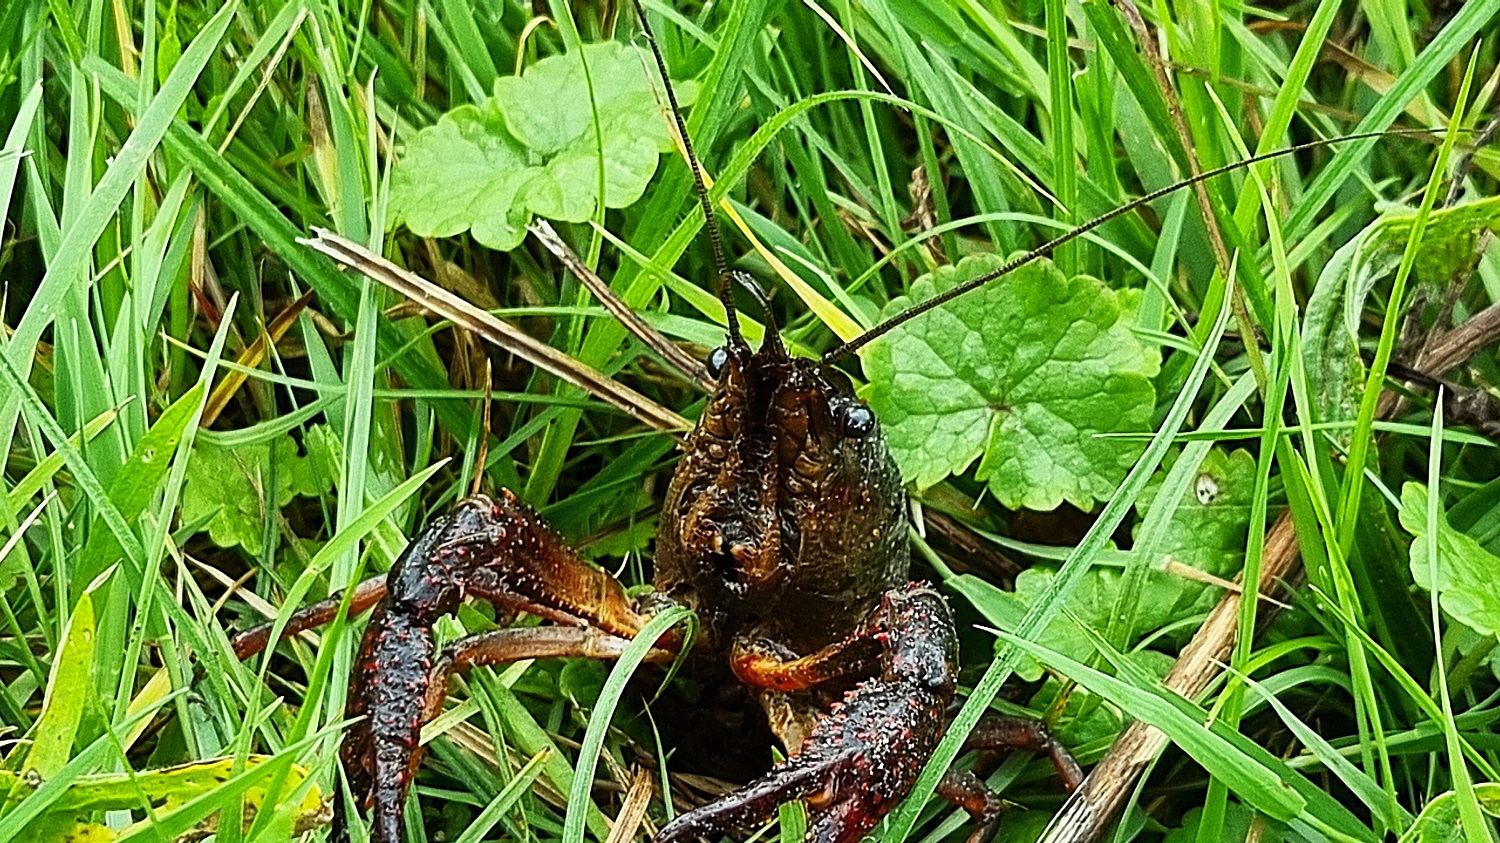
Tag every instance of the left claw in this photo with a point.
(389, 696)
(864, 757)
(493, 549)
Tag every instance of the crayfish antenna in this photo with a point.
(725, 289)
(1047, 248)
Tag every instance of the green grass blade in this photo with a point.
(609, 698)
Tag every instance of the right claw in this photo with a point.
(857, 764)
(754, 803)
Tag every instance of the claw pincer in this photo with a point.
(381, 753)
(864, 757)
(389, 691)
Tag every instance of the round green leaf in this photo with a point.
(535, 149)
(1022, 374)
(465, 172)
(1463, 575)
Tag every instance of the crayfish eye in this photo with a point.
(857, 421)
(717, 360)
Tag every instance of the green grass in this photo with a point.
(161, 161)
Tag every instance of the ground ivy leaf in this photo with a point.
(532, 149)
(1466, 573)
(1208, 529)
(1005, 609)
(463, 173)
(230, 486)
(1088, 607)
(1020, 374)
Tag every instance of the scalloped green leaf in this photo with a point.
(1449, 240)
(1022, 375)
(1209, 528)
(228, 486)
(533, 150)
(460, 175)
(1467, 576)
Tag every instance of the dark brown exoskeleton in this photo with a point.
(789, 598)
(784, 529)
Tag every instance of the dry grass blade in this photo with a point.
(1216, 239)
(1453, 348)
(633, 812)
(497, 331)
(665, 348)
(251, 358)
(484, 441)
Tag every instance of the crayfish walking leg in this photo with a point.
(994, 732)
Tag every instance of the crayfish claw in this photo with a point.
(381, 752)
(865, 755)
(857, 764)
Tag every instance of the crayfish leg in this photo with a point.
(500, 646)
(755, 803)
(523, 563)
(856, 765)
(761, 664)
(257, 638)
(985, 807)
(400, 686)
(1001, 733)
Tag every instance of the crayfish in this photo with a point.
(792, 602)
(784, 529)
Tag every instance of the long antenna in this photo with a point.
(1046, 248)
(725, 291)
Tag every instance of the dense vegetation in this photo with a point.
(206, 423)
